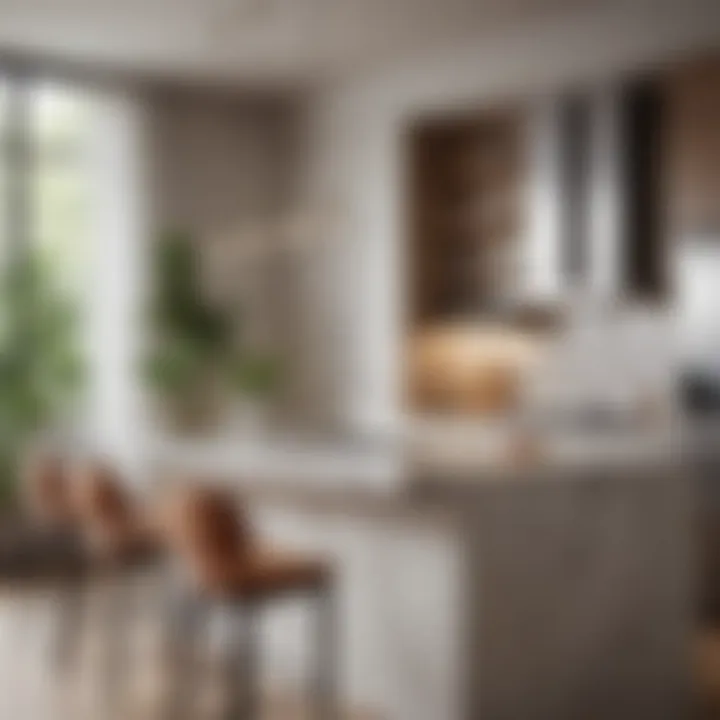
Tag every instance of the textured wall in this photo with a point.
(225, 165)
(221, 157)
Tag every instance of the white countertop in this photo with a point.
(313, 463)
(476, 455)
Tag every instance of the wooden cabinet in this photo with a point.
(693, 141)
(466, 218)
(466, 178)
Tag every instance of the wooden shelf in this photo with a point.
(466, 214)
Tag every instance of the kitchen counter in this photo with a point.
(555, 583)
(393, 472)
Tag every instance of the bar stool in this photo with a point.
(119, 542)
(46, 492)
(118, 533)
(48, 548)
(224, 567)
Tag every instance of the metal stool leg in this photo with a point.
(325, 680)
(242, 672)
(185, 615)
(117, 619)
(69, 626)
(64, 651)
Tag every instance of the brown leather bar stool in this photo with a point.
(225, 567)
(81, 525)
(118, 533)
(46, 491)
(119, 542)
(47, 548)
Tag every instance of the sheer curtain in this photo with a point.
(115, 420)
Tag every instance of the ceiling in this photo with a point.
(250, 40)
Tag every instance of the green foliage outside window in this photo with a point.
(41, 370)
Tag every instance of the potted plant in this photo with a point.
(195, 356)
(255, 378)
(190, 337)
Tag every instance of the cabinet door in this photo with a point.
(694, 144)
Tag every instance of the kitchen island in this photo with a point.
(557, 588)
(579, 595)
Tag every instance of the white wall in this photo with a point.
(352, 305)
(698, 271)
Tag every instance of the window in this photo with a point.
(71, 191)
(43, 210)
(44, 187)
(58, 188)
(4, 156)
